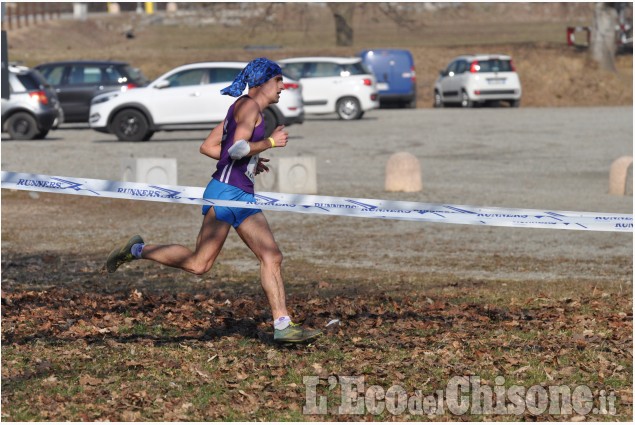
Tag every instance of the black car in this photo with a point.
(77, 82)
(32, 108)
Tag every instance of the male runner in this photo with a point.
(236, 145)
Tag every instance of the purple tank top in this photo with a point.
(237, 172)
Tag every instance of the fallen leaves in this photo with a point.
(138, 355)
(88, 380)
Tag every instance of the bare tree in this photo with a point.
(343, 15)
(603, 35)
(259, 20)
(399, 16)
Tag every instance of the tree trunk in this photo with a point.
(603, 45)
(343, 15)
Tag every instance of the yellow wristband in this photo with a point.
(273, 142)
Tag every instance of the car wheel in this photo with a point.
(438, 102)
(348, 108)
(270, 122)
(466, 102)
(515, 103)
(22, 126)
(130, 125)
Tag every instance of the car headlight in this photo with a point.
(103, 98)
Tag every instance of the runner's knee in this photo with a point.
(272, 256)
(200, 267)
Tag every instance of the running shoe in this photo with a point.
(122, 255)
(295, 333)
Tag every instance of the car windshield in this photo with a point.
(293, 70)
(287, 76)
(356, 68)
(136, 75)
(32, 81)
(494, 65)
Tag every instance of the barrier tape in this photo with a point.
(329, 205)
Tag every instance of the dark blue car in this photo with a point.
(394, 70)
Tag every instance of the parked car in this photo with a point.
(470, 80)
(32, 109)
(77, 82)
(334, 84)
(394, 70)
(185, 97)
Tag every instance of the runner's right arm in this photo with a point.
(211, 145)
(246, 115)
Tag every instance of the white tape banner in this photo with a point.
(329, 205)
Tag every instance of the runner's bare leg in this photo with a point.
(209, 243)
(256, 234)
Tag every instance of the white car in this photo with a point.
(186, 97)
(477, 79)
(334, 84)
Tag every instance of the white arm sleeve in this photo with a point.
(239, 149)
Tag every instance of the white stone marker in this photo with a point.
(149, 170)
(618, 175)
(403, 173)
(289, 175)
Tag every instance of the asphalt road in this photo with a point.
(526, 158)
(544, 158)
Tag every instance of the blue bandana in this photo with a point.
(257, 72)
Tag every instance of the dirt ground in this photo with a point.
(525, 158)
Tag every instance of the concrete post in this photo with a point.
(618, 176)
(149, 170)
(289, 175)
(403, 173)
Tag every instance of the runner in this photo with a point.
(236, 145)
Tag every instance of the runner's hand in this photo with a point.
(261, 167)
(280, 136)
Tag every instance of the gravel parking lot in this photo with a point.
(556, 159)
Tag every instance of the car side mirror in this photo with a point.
(443, 73)
(162, 84)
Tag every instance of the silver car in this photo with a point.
(32, 108)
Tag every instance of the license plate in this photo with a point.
(496, 80)
(382, 86)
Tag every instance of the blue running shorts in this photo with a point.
(224, 191)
